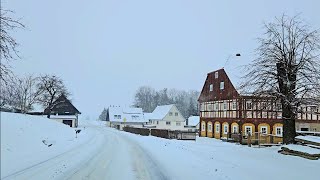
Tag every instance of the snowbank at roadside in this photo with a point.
(27, 140)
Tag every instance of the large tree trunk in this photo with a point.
(289, 125)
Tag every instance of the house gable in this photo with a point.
(173, 116)
(217, 87)
(63, 106)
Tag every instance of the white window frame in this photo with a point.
(209, 127)
(265, 128)
(216, 75)
(222, 85)
(178, 123)
(176, 114)
(234, 105)
(245, 130)
(235, 129)
(225, 106)
(211, 87)
(218, 128)
(247, 105)
(203, 128)
(168, 123)
(225, 127)
(170, 113)
(281, 131)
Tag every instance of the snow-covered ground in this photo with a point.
(310, 138)
(105, 153)
(22, 139)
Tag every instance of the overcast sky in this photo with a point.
(105, 49)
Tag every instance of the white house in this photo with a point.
(166, 117)
(193, 123)
(118, 117)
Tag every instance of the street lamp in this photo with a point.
(229, 57)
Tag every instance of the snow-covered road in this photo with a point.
(106, 155)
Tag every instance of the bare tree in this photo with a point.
(8, 44)
(20, 93)
(51, 88)
(26, 92)
(287, 68)
(144, 98)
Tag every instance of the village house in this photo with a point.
(193, 123)
(166, 117)
(63, 111)
(119, 117)
(223, 112)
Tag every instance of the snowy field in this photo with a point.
(104, 153)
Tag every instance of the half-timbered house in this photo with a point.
(225, 112)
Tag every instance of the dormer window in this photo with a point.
(211, 87)
(216, 75)
(221, 85)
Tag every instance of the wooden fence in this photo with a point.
(162, 133)
(141, 131)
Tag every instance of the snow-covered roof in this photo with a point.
(126, 114)
(193, 120)
(147, 116)
(37, 108)
(161, 111)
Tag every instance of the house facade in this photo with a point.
(166, 117)
(223, 111)
(63, 111)
(119, 117)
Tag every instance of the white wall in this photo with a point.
(61, 121)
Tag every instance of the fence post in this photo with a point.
(249, 139)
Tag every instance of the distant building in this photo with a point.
(223, 112)
(166, 117)
(64, 111)
(193, 123)
(119, 117)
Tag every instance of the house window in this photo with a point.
(216, 106)
(279, 131)
(249, 105)
(248, 130)
(217, 128)
(225, 129)
(157, 122)
(209, 127)
(221, 85)
(117, 116)
(170, 113)
(263, 129)
(211, 87)
(279, 107)
(216, 75)
(176, 114)
(225, 106)
(264, 105)
(203, 126)
(135, 117)
(178, 123)
(168, 123)
(234, 105)
(235, 129)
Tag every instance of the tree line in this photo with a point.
(148, 99)
(22, 93)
